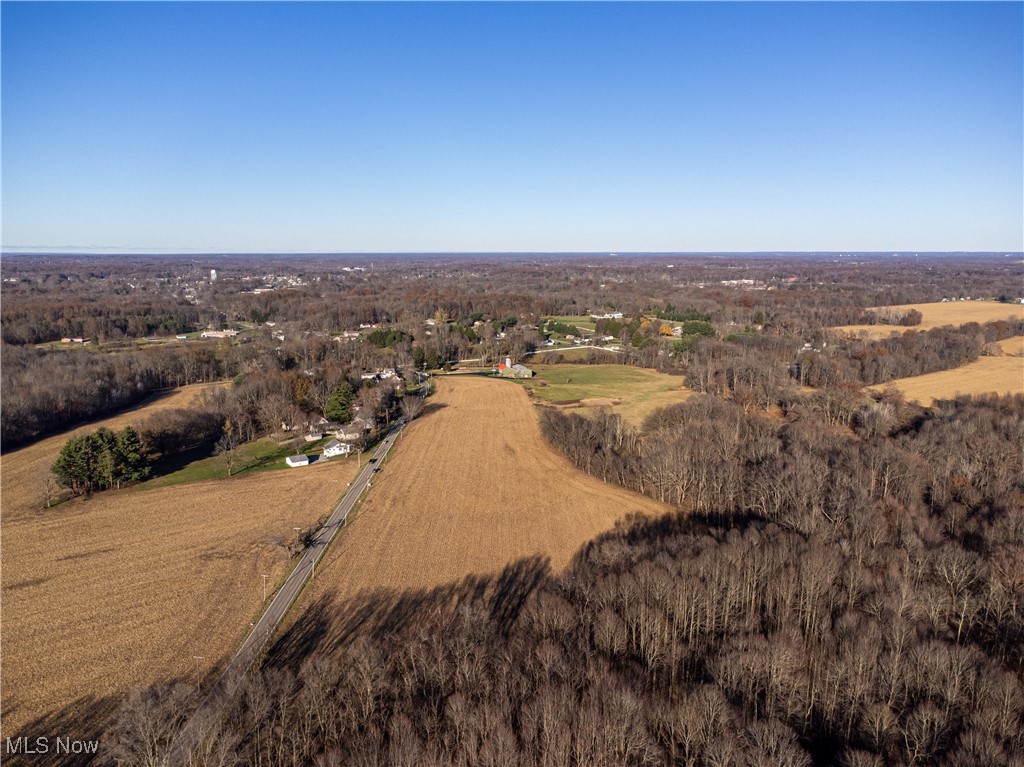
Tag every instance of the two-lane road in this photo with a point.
(192, 734)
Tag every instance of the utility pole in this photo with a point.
(264, 588)
(198, 658)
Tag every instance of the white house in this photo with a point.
(337, 447)
(297, 460)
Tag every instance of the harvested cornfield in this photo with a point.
(936, 315)
(1012, 346)
(132, 587)
(987, 375)
(470, 487)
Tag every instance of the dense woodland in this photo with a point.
(825, 596)
(843, 581)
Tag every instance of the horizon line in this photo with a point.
(215, 252)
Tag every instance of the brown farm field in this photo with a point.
(122, 590)
(1013, 346)
(470, 487)
(935, 315)
(988, 375)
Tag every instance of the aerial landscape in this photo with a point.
(590, 384)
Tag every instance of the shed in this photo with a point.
(297, 460)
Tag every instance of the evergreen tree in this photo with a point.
(76, 465)
(131, 458)
(100, 460)
(339, 406)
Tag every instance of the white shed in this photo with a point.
(297, 460)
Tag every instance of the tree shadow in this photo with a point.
(178, 461)
(430, 407)
(36, 743)
(50, 739)
(389, 614)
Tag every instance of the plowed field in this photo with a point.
(935, 315)
(124, 589)
(470, 487)
(995, 375)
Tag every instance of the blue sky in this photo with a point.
(512, 127)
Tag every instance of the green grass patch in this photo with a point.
(638, 392)
(258, 455)
(559, 383)
(579, 320)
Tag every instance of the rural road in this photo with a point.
(192, 734)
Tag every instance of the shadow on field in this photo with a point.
(178, 461)
(81, 733)
(387, 613)
(431, 407)
(36, 744)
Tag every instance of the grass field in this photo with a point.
(632, 392)
(579, 320)
(259, 455)
(935, 315)
(121, 590)
(998, 375)
(470, 487)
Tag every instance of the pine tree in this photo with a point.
(75, 466)
(339, 406)
(100, 460)
(131, 459)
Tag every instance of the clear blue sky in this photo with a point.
(512, 127)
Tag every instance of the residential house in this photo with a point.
(337, 447)
(350, 432)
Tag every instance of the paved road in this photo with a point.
(193, 732)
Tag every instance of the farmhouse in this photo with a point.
(337, 447)
(508, 370)
(297, 460)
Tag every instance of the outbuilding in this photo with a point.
(297, 460)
